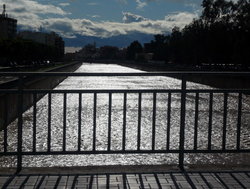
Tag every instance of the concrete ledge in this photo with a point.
(218, 81)
(8, 103)
(116, 169)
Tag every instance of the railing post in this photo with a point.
(182, 122)
(20, 123)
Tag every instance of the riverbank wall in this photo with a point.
(216, 81)
(9, 102)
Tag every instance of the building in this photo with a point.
(8, 26)
(38, 37)
(50, 39)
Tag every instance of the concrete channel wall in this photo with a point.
(9, 102)
(220, 81)
(217, 81)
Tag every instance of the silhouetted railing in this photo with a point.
(108, 148)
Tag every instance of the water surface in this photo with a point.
(156, 82)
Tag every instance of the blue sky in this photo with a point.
(112, 9)
(103, 18)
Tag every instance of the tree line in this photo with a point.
(220, 36)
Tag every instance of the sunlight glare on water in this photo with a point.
(156, 82)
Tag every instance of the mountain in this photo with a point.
(118, 41)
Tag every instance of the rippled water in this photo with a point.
(158, 82)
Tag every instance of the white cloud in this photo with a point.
(29, 12)
(140, 4)
(72, 27)
(30, 15)
(15, 7)
(129, 17)
(181, 18)
(64, 4)
(95, 16)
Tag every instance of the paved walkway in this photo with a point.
(130, 181)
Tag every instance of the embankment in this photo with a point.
(9, 102)
(217, 81)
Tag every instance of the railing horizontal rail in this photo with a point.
(180, 110)
(124, 152)
(126, 91)
(101, 74)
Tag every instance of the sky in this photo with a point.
(102, 18)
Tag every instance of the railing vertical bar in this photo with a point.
(224, 122)
(34, 121)
(196, 120)
(94, 123)
(124, 121)
(49, 122)
(79, 121)
(139, 122)
(169, 120)
(182, 122)
(64, 120)
(210, 120)
(239, 120)
(153, 121)
(20, 124)
(6, 109)
(109, 121)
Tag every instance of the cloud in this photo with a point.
(72, 27)
(181, 17)
(129, 17)
(140, 4)
(95, 16)
(30, 8)
(93, 4)
(32, 15)
(64, 4)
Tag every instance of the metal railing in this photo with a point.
(182, 92)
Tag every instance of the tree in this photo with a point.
(108, 52)
(134, 48)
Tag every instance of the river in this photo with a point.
(156, 82)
